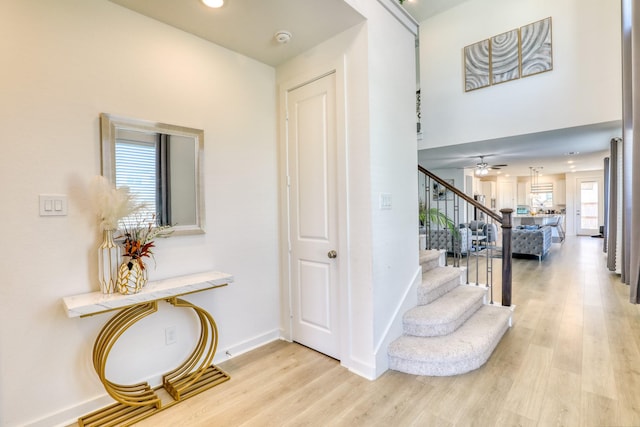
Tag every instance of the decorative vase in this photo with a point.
(108, 260)
(132, 276)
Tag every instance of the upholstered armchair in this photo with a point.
(531, 240)
(443, 238)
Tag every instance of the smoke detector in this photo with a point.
(282, 36)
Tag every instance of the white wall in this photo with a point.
(394, 160)
(63, 63)
(583, 87)
(377, 92)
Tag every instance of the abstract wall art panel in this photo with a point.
(476, 65)
(505, 57)
(508, 56)
(536, 47)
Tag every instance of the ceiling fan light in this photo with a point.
(213, 3)
(482, 171)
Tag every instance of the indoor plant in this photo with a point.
(437, 218)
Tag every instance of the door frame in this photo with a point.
(337, 67)
(572, 187)
(577, 198)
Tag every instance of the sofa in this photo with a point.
(531, 240)
(440, 238)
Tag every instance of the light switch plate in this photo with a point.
(385, 201)
(53, 204)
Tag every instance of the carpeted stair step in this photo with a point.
(437, 282)
(430, 259)
(446, 314)
(466, 349)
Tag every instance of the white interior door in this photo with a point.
(587, 207)
(507, 196)
(311, 144)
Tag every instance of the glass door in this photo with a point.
(587, 207)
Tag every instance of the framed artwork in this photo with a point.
(440, 192)
(505, 57)
(476, 65)
(536, 47)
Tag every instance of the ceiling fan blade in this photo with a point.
(499, 166)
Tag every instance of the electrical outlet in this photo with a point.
(170, 335)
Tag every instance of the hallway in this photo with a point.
(571, 359)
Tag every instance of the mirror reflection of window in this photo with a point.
(136, 168)
(160, 170)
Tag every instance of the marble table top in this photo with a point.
(97, 302)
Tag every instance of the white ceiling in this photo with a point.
(248, 27)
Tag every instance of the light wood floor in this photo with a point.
(572, 358)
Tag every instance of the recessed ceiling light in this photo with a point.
(213, 3)
(570, 161)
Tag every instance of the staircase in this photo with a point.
(452, 330)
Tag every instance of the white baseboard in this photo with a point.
(394, 327)
(228, 352)
(362, 369)
(70, 415)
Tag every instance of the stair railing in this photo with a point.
(469, 231)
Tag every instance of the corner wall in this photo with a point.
(380, 148)
(64, 63)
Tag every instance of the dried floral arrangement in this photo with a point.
(112, 204)
(139, 231)
(139, 236)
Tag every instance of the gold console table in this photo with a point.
(135, 402)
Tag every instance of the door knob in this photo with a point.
(332, 254)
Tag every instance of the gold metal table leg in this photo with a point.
(138, 401)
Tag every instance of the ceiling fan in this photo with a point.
(482, 168)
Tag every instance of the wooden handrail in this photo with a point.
(460, 194)
(506, 225)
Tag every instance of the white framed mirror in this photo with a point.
(162, 166)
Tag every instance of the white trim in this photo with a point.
(394, 327)
(70, 415)
(245, 346)
(362, 369)
(401, 15)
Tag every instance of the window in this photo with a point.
(542, 195)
